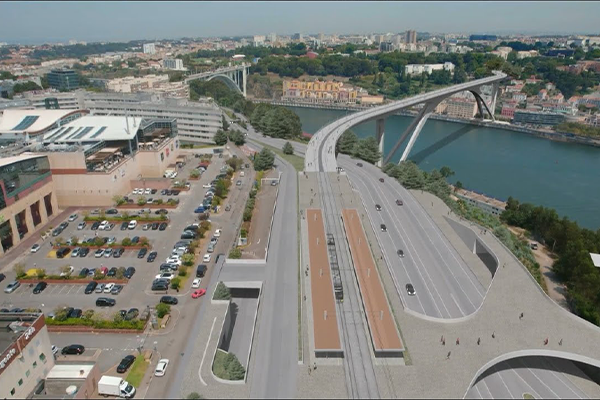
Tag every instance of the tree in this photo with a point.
(346, 143)
(367, 150)
(141, 200)
(237, 137)
(187, 259)
(225, 123)
(118, 200)
(458, 185)
(446, 172)
(234, 163)
(162, 309)
(235, 253)
(175, 283)
(19, 269)
(234, 368)
(194, 396)
(287, 148)
(220, 138)
(264, 160)
(222, 292)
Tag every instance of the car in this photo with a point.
(132, 313)
(218, 233)
(175, 192)
(377, 207)
(35, 248)
(39, 288)
(188, 235)
(160, 285)
(109, 227)
(56, 232)
(89, 289)
(72, 217)
(155, 226)
(169, 300)
(213, 240)
(153, 191)
(112, 211)
(62, 252)
(124, 225)
(92, 272)
(206, 257)
(238, 183)
(410, 289)
(118, 252)
(108, 287)
(108, 252)
(112, 272)
(129, 272)
(152, 256)
(135, 191)
(132, 224)
(84, 272)
(63, 225)
(95, 226)
(381, 180)
(135, 239)
(173, 260)
(75, 313)
(142, 252)
(125, 363)
(206, 185)
(150, 200)
(383, 228)
(199, 210)
(54, 350)
(161, 367)
(201, 270)
(111, 240)
(359, 164)
(168, 267)
(103, 225)
(105, 302)
(161, 211)
(84, 252)
(116, 289)
(68, 272)
(75, 252)
(2, 277)
(146, 227)
(73, 349)
(534, 246)
(399, 202)
(198, 293)
(100, 287)
(165, 275)
(147, 191)
(196, 283)
(400, 253)
(227, 207)
(81, 225)
(162, 226)
(168, 192)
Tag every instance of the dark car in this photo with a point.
(135, 239)
(76, 313)
(163, 192)
(377, 207)
(161, 211)
(129, 272)
(400, 253)
(84, 251)
(383, 228)
(160, 285)
(167, 192)
(63, 225)
(84, 272)
(2, 277)
(112, 211)
(168, 267)
(112, 272)
(359, 164)
(191, 228)
(105, 302)
(131, 314)
(62, 252)
(410, 289)
(73, 349)
(95, 226)
(188, 235)
(39, 287)
(153, 191)
(118, 252)
(163, 226)
(169, 300)
(89, 289)
(399, 202)
(155, 226)
(381, 180)
(124, 225)
(201, 270)
(142, 252)
(152, 256)
(175, 192)
(126, 362)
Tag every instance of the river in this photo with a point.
(497, 162)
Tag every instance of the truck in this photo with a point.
(115, 386)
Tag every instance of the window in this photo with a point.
(43, 357)
(34, 364)
(20, 382)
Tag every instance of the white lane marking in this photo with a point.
(538, 378)
(478, 392)
(204, 355)
(536, 394)
(495, 367)
(558, 376)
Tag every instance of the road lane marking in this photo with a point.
(204, 355)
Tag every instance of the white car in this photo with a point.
(108, 287)
(206, 186)
(218, 233)
(81, 225)
(173, 260)
(196, 283)
(173, 174)
(165, 275)
(72, 217)
(54, 349)
(103, 225)
(161, 367)
(69, 272)
(135, 191)
(148, 191)
(35, 248)
(132, 224)
(207, 257)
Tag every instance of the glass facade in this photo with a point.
(63, 79)
(21, 175)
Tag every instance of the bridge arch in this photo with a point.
(592, 364)
(227, 80)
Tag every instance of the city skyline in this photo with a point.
(61, 21)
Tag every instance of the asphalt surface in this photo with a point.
(445, 285)
(538, 376)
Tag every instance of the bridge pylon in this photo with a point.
(380, 132)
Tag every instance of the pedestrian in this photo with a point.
(448, 356)
(545, 341)
(493, 335)
(457, 341)
(309, 370)
(478, 341)
(521, 316)
(442, 339)
(560, 342)
(304, 297)
(443, 342)
(315, 366)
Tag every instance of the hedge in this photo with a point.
(99, 324)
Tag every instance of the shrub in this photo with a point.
(243, 233)
(175, 283)
(59, 240)
(194, 396)
(222, 292)
(118, 200)
(60, 314)
(126, 241)
(65, 269)
(74, 240)
(40, 273)
(182, 272)
(144, 241)
(287, 148)
(159, 201)
(227, 366)
(235, 253)
(194, 173)
(162, 309)
(142, 200)
(88, 314)
(98, 241)
(120, 273)
(19, 269)
(188, 259)
(98, 275)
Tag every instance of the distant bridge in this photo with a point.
(234, 76)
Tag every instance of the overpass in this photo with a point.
(320, 155)
(234, 76)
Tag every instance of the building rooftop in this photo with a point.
(30, 121)
(95, 129)
(12, 326)
(10, 160)
(70, 371)
(595, 259)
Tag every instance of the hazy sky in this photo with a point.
(39, 22)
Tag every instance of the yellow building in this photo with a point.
(319, 92)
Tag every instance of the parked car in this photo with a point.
(39, 288)
(125, 363)
(160, 285)
(135, 239)
(105, 302)
(112, 272)
(35, 248)
(146, 227)
(218, 233)
(132, 224)
(75, 313)
(84, 252)
(116, 289)
(227, 207)
(73, 349)
(196, 283)
(124, 225)
(72, 217)
(129, 272)
(207, 257)
(62, 252)
(84, 272)
(89, 289)
(152, 256)
(112, 211)
(132, 313)
(108, 252)
(201, 270)
(118, 252)
(142, 252)
(169, 300)
(108, 287)
(99, 253)
(95, 226)
(92, 272)
(188, 235)
(68, 272)
(165, 275)
(161, 367)
(81, 225)
(155, 226)
(168, 267)
(100, 288)
(161, 211)
(162, 226)
(103, 225)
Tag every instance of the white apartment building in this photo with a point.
(197, 121)
(130, 84)
(173, 63)
(149, 48)
(418, 69)
(460, 107)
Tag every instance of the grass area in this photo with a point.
(137, 372)
(528, 396)
(226, 366)
(296, 161)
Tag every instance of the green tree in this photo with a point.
(237, 137)
(175, 283)
(288, 148)
(222, 292)
(188, 259)
(19, 269)
(446, 172)
(235, 253)
(162, 309)
(368, 150)
(225, 123)
(264, 160)
(220, 138)
(346, 143)
(141, 200)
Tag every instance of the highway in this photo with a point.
(445, 285)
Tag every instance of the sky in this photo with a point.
(46, 22)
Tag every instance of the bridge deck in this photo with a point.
(382, 327)
(326, 333)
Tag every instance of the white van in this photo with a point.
(242, 173)
(132, 224)
(103, 225)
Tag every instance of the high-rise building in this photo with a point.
(272, 37)
(410, 36)
(63, 79)
(176, 64)
(297, 36)
(149, 48)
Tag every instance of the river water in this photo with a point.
(497, 162)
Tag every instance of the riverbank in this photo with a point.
(549, 135)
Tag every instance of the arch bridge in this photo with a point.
(234, 76)
(320, 155)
